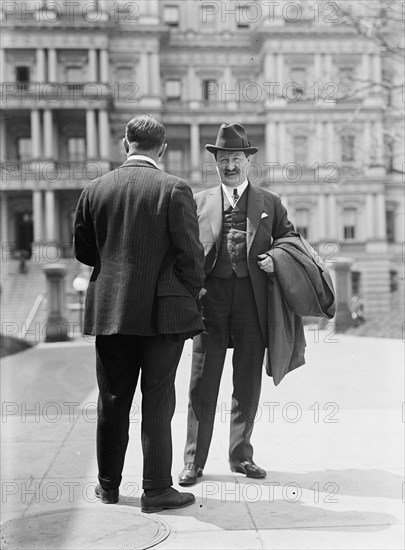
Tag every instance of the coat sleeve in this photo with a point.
(282, 225)
(184, 232)
(84, 240)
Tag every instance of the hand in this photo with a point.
(266, 263)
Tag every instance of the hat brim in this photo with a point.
(214, 148)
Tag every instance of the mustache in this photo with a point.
(232, 172)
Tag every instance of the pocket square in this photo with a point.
(264, 215)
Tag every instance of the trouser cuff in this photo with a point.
(109, 484)
(160, 483)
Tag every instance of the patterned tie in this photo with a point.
(235, 196)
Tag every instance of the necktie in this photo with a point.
(235, 196)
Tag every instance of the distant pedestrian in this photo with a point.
(137, 226)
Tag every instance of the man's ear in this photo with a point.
(162, 150)
(126, 145)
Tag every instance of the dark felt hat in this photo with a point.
(232, 137)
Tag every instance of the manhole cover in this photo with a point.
(104, 527)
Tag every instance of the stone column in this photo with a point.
(40, 65)
(56, 329)
(195, 152)
(36, 141)
(330, 142)
(327, 66)
(143, 77)
(376, 68)
(104, 68)
(322, 215)
(366, 144)
(281, 143)
(2, 65)
(340, 273)
(48, 134)
(332, 218)
(92, 65)
(38, 216)
(377, 132)
(317, 67)
(269, 67)
(365, 67)
(50, 219)
(319, 143)
(370, 219)
(154, 69)
(3, 141)
(4, 219)
(192, 87)
(380, 221)
(270, 137)
(91, 134)
(280, 70)
(52, 65)
(104, 134)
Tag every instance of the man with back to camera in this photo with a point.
(238, 222)
(137, 226)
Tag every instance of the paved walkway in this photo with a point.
(330, 436)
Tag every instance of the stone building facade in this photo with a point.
(74, 73)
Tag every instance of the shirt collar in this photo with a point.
(142, 157)
(229, 190)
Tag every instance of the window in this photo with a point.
(74, 77)
(22, 76)
(347, 145)
(209, 13)
(299, 77)
(173, 89)
(346, 78)
(76, 149)
(171, 16)
(390, 225)
(209, 90)
(302, 221)
(125, 73)
(243, 16)
(349, 223)
(356, 280)
(300, 149)
(24, 149)
(175, 161)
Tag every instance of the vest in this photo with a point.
(232, 256)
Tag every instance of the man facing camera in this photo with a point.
(238, 222)
(137, 227)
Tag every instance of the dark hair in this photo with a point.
(146, 132)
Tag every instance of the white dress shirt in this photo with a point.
(143, 157)
(229, 191)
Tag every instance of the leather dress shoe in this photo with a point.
(189, 474)
(168, 500)
(249, 468)
(107, 497)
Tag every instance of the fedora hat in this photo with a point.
(232, 137)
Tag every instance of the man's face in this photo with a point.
(232, 167)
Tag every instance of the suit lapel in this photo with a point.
(254, 212)
(214, 212)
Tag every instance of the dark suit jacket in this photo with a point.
(138, 227)
(302, 286)
(266, 220)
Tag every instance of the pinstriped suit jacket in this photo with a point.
(137, 226)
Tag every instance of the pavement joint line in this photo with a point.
(52, 463)
(349, 526)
